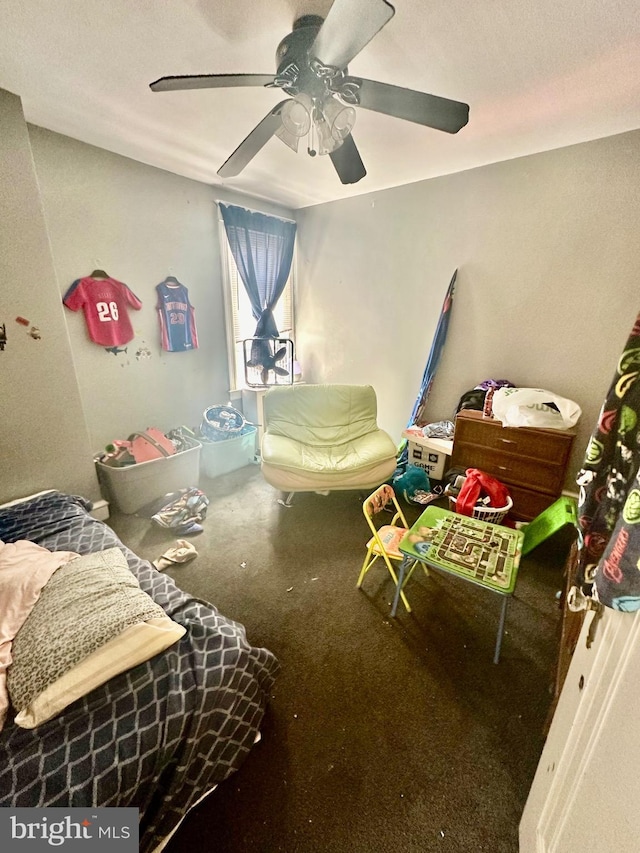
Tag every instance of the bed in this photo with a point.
(156, 737)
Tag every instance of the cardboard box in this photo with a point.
(430, 454)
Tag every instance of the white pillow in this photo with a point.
(91, 622)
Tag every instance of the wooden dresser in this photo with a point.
(530, 462)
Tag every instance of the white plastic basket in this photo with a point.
(492, 514)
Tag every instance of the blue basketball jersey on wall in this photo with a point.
(177, 317)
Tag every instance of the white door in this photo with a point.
(585, 796)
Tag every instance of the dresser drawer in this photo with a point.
(528, 504)
(524, 471)
(530, 462)
(546, 445)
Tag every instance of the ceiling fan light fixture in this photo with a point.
(296, 115)
(327, 123)
(288, 138)
(339, 117)
(321, 140)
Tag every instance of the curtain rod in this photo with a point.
(252, 210)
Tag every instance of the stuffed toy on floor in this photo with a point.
(414, 485)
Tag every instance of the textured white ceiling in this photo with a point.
(537, 75)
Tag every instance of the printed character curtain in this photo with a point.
(609, 501)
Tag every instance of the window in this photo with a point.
(240, 322)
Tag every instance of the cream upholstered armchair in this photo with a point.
(320, 438)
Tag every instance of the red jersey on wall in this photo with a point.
(105, 303)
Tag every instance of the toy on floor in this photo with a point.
(182, 511)
(562, 512)
(414, 486)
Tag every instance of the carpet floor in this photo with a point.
(389, 736)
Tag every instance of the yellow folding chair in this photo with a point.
(386, 538)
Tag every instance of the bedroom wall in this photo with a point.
(44, 442)
(545, 247)
(139, 224)
(65, 209)
(547, 252)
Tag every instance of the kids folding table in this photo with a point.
(487, 555)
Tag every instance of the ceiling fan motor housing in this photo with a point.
(295, 70)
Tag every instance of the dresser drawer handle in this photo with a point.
(502, 467)
(507, 441)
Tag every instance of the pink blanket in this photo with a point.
(24, 570)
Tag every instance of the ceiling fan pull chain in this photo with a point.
(311, 150)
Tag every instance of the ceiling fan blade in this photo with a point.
(349, 26)
(250, 146)
(348, 163)
(209, 81)
(419, 107)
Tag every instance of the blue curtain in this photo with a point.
(262, 247)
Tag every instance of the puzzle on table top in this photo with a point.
(486, 554)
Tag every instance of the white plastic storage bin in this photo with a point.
(430, 454)
(131, 487)
(221, 457)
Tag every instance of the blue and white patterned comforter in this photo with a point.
(155, 737)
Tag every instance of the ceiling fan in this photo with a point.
(312, 70)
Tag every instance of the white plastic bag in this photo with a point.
(534, 407)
